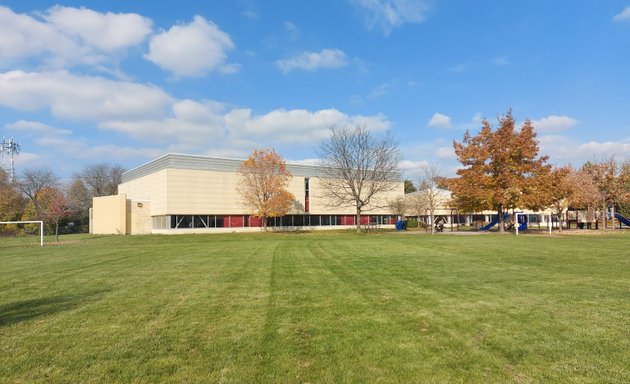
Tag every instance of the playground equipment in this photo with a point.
(623, 219)
(494, 222)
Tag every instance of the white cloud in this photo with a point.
(623, 15)
(106, 31)
(565, 149)
(292, 30)
(75, 97)
(554, 123)
(439, 120)
(310, 61)
(36, 127)
(192, 125)
(445, 153)
(296, 126)
(192, 50)
(412, 166)
(65, 36)
(389, 14)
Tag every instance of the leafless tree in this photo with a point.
(358, 167)
(93, 181)
(101, 179)
(398, 206)
(428, 192)
(32, 181)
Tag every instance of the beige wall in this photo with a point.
(139, 220)
(109, 215)
(148, 188)
(187, 192)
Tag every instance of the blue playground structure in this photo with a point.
(624, 220)
(522, 223)
(494, 222)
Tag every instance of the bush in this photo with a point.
(412, 223)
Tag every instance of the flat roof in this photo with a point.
(206, 163)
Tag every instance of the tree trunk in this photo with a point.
(560, 213)
(264, 221)
(604, 218)
(358, 219)
(57, 231)
(432, 219)
(500, 218)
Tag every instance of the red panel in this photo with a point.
(347, 220)
(236, 221)
(365, 220)
(307, 205)
(255, 221)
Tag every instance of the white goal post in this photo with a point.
(41, 227)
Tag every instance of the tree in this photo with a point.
(409, 187)
(101, 179)
(358, 167)
(11, 202)
(54, 207)
(608, 176)
(32, 182)
(398, 206)
(92, 181)
(500, 168)
(264, 178)
(428, 182)
(558, 191)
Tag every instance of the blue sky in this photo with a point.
(124, 82)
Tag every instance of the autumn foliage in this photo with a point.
(264, 178)
(501, 168)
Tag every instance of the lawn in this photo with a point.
(317, 308)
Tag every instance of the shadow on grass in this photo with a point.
(24, 310)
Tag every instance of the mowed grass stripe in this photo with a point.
(317, 308)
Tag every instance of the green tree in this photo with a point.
(409, 187)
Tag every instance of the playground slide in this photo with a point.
(624, 220)
(494, 222)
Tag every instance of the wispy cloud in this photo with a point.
(310, 61)
(554, 123)
(501, 61)
(623, 15)
(389, 14)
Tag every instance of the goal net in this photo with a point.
(20, 233)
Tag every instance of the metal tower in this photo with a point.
(9, 148)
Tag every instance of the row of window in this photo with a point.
(232, 221)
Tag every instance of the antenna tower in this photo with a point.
(9, 148)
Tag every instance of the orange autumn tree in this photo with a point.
(501, 168)
(264, 178)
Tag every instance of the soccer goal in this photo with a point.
(22, 223)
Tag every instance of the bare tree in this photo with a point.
(101, 179)
(358, 167)
(431, 195)
(398, 206)
(93, 181)
(32, 181)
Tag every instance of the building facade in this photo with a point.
(178, 193)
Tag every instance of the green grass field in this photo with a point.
(316, 308)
